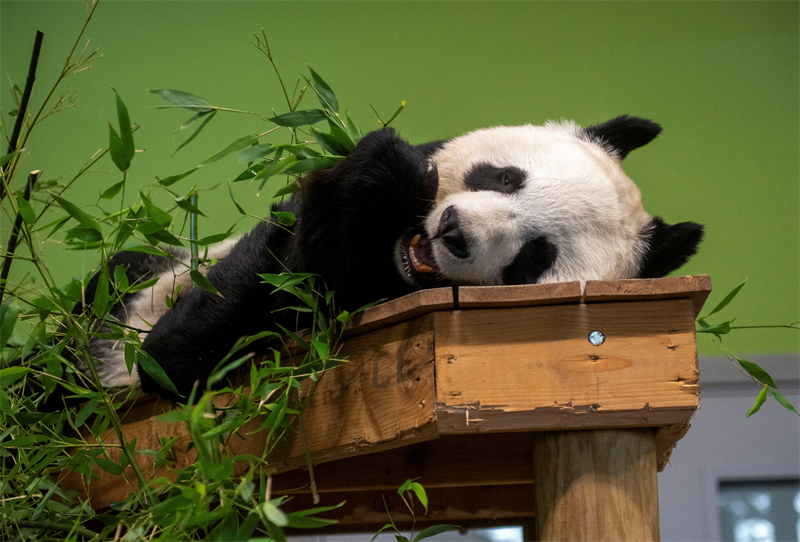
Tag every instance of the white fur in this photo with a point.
(144, 310)
(574, 193)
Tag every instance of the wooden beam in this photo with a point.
(446, 505)
(596, 485)
(694, 287)
(456, 461)
(381, 398)
(534, 369)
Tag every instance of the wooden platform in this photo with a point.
(459, 397)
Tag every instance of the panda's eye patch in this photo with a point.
(500, 179)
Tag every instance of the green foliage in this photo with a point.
(52, 403)
(407, 491)
(753, 371)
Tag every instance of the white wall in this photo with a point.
(724, 445)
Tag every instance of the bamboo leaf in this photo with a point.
(285, 218)
(338, 133)
(782, 400)
(329, 143)
(6, 158)
(84, 234)
(184, 202)
(183, 99)
(300, 118)
(310, 164)
(239, 144)
(728, 298)
(76, 213)
(126, 134)
(238, 207)
(757, 372)
(274, 514)
(196, 132)
(718, 329)
(202, 282)
(111, 192)
(326, 96)
(220, 374)
(193, 119)
(146, 249)
(322, 349)
(109, 466)
(160, 216)
(760, 398)
(12, 374)
(169, 181)
(116, 149)
(255, 152)
(25, 210)
(216, 238)
(156, 372)
(434, 530)
(352, 131)
(101, 296)
(8, 320)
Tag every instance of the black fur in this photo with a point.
(348, 221)
(535, 258)
(500, 179)
(669, 247)
(623, 134)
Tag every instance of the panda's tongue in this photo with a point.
(421, 255)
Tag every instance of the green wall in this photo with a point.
(721, 77)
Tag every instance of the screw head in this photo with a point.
(596, 338)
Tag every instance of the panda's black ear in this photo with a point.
(429, 148)
(623, 134)
(668, 247)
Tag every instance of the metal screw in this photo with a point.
(596, 338)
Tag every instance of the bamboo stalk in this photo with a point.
(13, 240)
(195, 262)
(23, 106)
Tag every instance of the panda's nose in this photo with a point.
(451, 235)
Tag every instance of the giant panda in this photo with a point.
(503, 205)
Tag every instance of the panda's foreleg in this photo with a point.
(127, 311)
(190, 339)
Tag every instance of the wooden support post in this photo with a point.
(596, 485)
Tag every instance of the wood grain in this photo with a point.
(455, 461)
(533, 368)
(382, 398)
(107, 488)
(694, 287)
(666, 438)
(365, 510)
(596, 485)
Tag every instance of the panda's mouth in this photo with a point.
(420, 256)
(418, 261)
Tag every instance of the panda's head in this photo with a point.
(551, 203)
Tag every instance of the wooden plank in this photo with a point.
(382, 398)
(399, 310)
(455, 461)
(365, 510)
(534, 369)
(108, 488)
(596, 485)
(425, 301)
(695, 287)
(526, 295)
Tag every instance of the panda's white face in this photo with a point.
(530, 203)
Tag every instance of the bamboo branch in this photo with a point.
(14, 239)
(23, 106)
